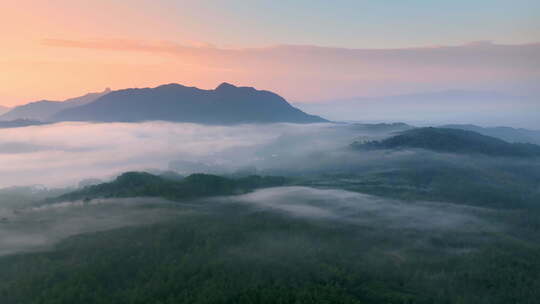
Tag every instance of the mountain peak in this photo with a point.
(170, 86)
(228, 104)
(225, 86)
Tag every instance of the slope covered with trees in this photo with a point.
(233, 254)
(142, 184)
(453, 141)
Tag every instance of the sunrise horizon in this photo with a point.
(269, 152)
(55, 51)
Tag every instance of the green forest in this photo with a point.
(233, 253)
(441, 229)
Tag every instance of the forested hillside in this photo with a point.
(453, 141)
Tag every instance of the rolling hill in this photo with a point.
(136, 184)
(453, 141)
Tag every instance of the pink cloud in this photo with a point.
(311, 72)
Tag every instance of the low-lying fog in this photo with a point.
(364, 209)
(64, 153)
(41, 226)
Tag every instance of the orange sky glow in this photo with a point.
(60, 49)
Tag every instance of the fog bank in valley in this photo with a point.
(42, 226)
(65, 153)
(366, 210)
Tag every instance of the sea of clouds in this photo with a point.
(62, 154)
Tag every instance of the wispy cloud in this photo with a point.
(337, 72)
(120, 45)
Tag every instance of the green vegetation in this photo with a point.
(472, 176)
(234, 254)
(20, 197)
(228, 251)
(509, 187)
(453, 141)
(135, 184)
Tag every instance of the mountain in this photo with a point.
(4, 110)
(43, 110)
(38, 110)
(20, 123)
(505, 133)
(453, 141)
(227, 104)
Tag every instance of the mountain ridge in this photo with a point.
(226, 104)
(43, 110)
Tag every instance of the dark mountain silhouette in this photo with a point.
(20, 123)
(227, 104)
(453, 141)
(43, 110)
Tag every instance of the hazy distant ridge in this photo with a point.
(517, 135)
(43, 110)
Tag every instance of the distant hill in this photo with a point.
(20, 123)
(504, 133)
(137, 184)
(4, 110)
(439, 107)
(453, 141)
(227, 104)
(38, 110)
(43, 110)
(381, 127)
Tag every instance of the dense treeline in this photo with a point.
(224, 252)
(136, 184)
(452, 141)
(231, 254)
(506, 188)
(476, 174)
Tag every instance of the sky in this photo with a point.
(303, 50)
